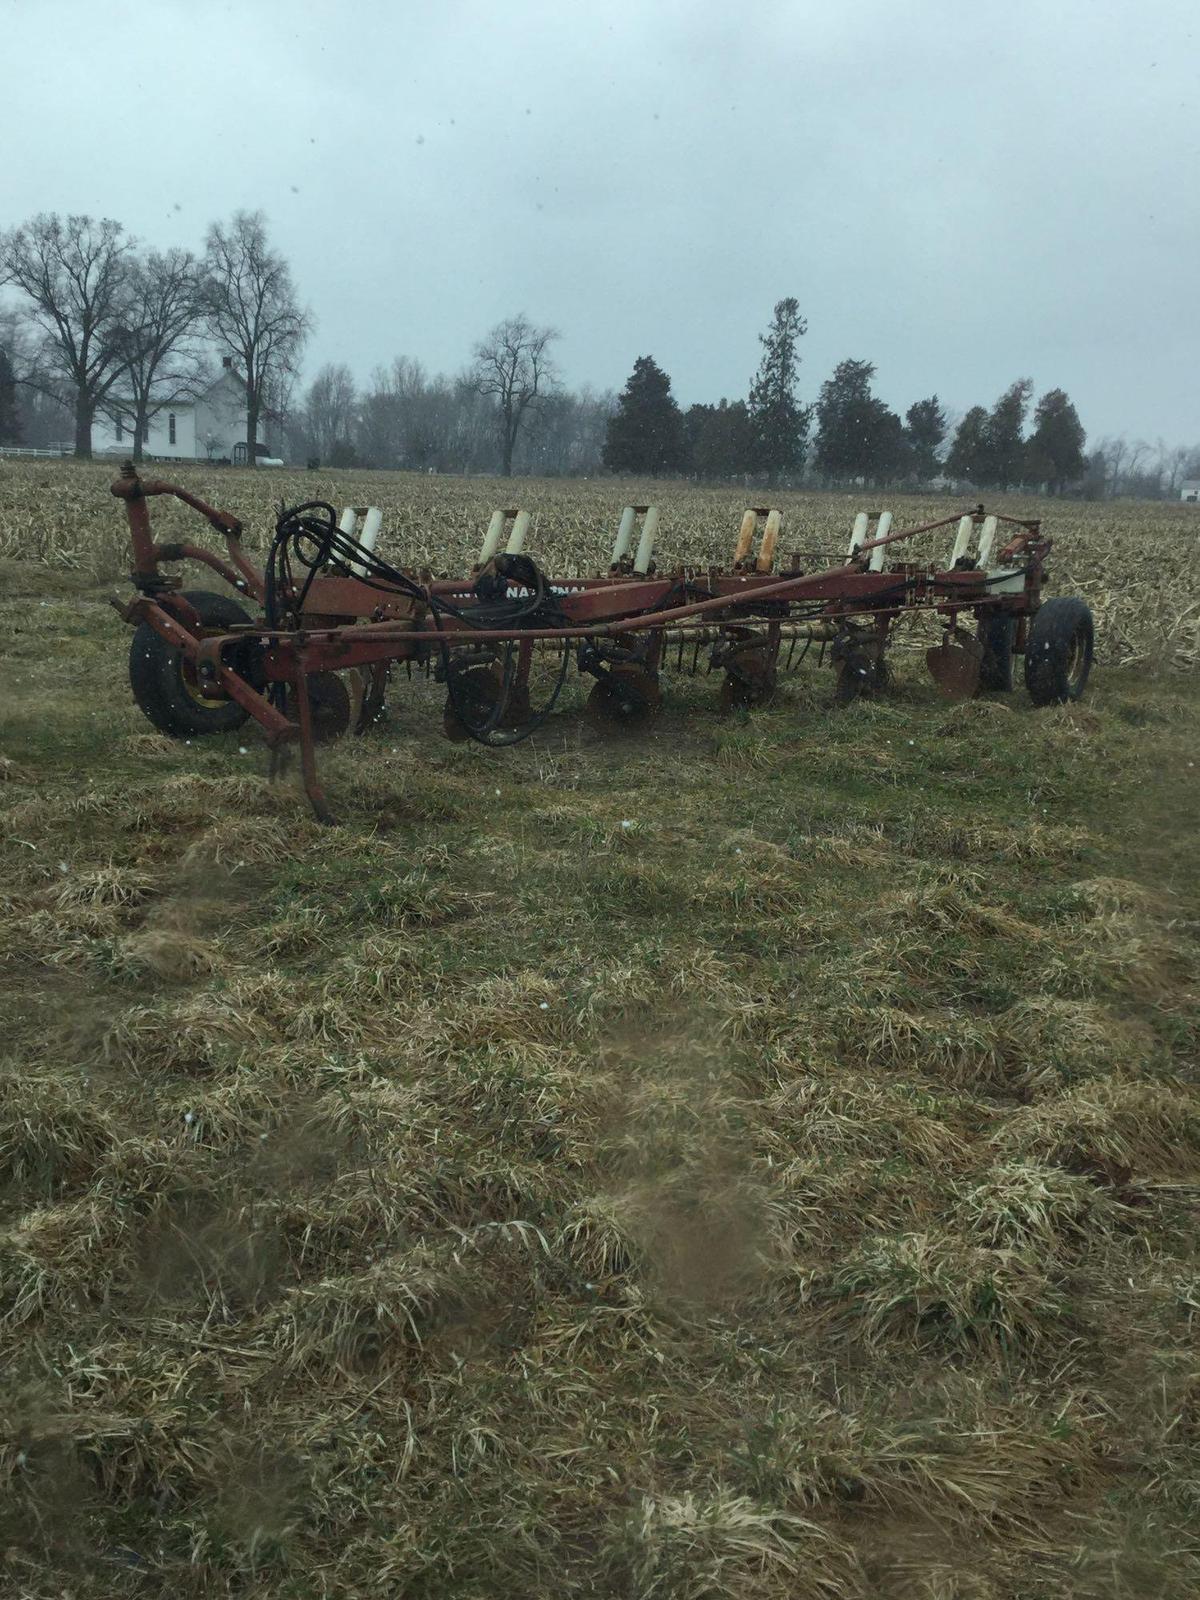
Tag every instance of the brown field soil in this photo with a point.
(754, 1157)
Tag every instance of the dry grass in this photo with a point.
(755, 1158)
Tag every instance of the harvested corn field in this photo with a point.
(1133, 562)
(754, 1156)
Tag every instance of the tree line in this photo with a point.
(104, 327)
(849, 435)
(101, 327)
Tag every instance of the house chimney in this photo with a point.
(226, 361)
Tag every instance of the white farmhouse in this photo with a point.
(1189, 490)
(211, 426)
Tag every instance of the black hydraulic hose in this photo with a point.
(309, 535)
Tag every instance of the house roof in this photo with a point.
(121, 396)
(222, 374)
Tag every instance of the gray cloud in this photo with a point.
(963, 193)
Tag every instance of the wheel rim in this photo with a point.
(191, 687)
(1077, 660)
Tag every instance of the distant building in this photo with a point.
(210, 426)
(1189, 490)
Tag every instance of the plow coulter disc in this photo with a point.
(749, 679)
(336, 699)
(861, 670)
(626, 697)
(476, 693)
(956, 664)
(749, 672)
(501, 700)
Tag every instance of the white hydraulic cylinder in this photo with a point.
(624, 535)
(766, 551)
(745, 536)
(369, 537)
(879, 555)
(987, 540)
(645, 549)
(966, 528)
(861, 523)
(349, 520)
(491, 539)
(516, 539)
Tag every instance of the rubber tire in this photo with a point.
(1058, 626)
(996, 635)
(156, 677)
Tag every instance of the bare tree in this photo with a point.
(75, 275)
(163, 362)
(330, 409)
(1172, 466)
(252, 313)
(385, 423)
(1113, 453)
(1124, 465)
(512, 365)
(1135, 463)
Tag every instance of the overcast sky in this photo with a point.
(963, 193)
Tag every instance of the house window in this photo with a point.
(171, 426)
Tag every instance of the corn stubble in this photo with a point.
(757, 1158)
(1133, 562)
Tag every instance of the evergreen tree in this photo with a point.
(645, 433)
(1055, 452)
(10, 416)
(779, 421)
(858, 436)
(720, 440)
(925, 428)
(1005, 455)
(842, 418)
(969, 456)
(886, 456)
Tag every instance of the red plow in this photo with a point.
(333, 618)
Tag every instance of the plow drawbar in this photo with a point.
(330, 617)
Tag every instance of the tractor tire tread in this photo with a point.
(157, 681)
(1060, 629)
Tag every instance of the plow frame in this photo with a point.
(348, 623)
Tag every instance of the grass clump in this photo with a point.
(938, 1286)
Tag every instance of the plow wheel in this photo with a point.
(628, 695)
(166, 687)
(956, 664)
(336, 699)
